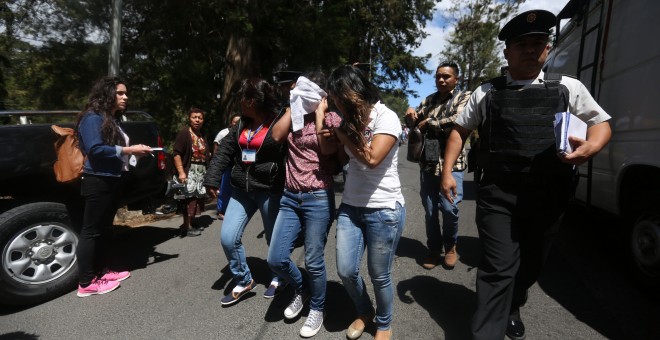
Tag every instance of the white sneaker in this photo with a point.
(295, 306)
(313, 324)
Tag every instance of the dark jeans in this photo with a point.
(514, 217)
(101, 197)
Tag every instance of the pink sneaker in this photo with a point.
(111, 275)
(98, 286)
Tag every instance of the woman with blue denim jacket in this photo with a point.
(372, 212)
(308, 202)
(257, 178)
(107, 151)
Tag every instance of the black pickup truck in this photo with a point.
(37, 238)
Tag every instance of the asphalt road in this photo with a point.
(584, 293)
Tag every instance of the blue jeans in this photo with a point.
(434, 203)
(225, 191)
(313, 212)
(379, 230)
(242, 206)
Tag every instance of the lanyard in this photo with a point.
(251, 135)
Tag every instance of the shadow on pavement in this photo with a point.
(134, 248)
(339, 308)
(450, 305)
(18, 336)
(560, 281)
(340, 311)
(469, 250)
(204, 221)
(259, 270)
(411, 248)
(588, 274)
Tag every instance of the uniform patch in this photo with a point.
(531, 17)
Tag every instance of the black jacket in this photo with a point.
(183, 148)
(266, 173)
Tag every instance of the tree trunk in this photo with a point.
(239, 64)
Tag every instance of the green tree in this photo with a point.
(178, 54)
(325, 34)
(396, 100)
(6, 39)
(473, 44)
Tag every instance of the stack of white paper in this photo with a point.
(567, 124)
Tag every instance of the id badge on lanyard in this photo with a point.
(247, 155)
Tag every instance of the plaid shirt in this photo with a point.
(443, 111)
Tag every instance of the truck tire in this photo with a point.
(38, 257)
(645, 247)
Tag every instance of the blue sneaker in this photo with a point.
(236, 295)
(274, 289)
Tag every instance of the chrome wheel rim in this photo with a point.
(40, 253)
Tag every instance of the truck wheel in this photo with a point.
(645, 246)
(38, 257)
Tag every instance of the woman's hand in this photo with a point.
(178, 165)
(138, 150)
(322, 109)
(328, 134)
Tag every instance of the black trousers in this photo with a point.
(515, 213)
(101, 199)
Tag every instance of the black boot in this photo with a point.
(515, 329)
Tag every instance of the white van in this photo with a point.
(613, 47)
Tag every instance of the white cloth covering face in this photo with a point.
(304, 99)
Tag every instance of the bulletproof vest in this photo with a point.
(518, 131)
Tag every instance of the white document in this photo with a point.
(567, 124)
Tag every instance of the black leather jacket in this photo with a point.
(266, 173)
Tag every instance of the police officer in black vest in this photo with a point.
(525, 184)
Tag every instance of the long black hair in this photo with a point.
(349, 87)
(103, 100)
(262, 93)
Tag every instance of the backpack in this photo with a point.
(69, 164)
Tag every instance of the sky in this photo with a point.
(437, 39)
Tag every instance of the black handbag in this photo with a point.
(415, 145)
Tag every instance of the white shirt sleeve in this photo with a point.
(221, 135)
(472, 115)
(386, 121)
(582, 104)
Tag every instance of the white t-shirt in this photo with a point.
(127, 158)
(224, 132)
(580, 102)
(378, 187)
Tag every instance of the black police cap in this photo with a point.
(537, 21)
(285, 77)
